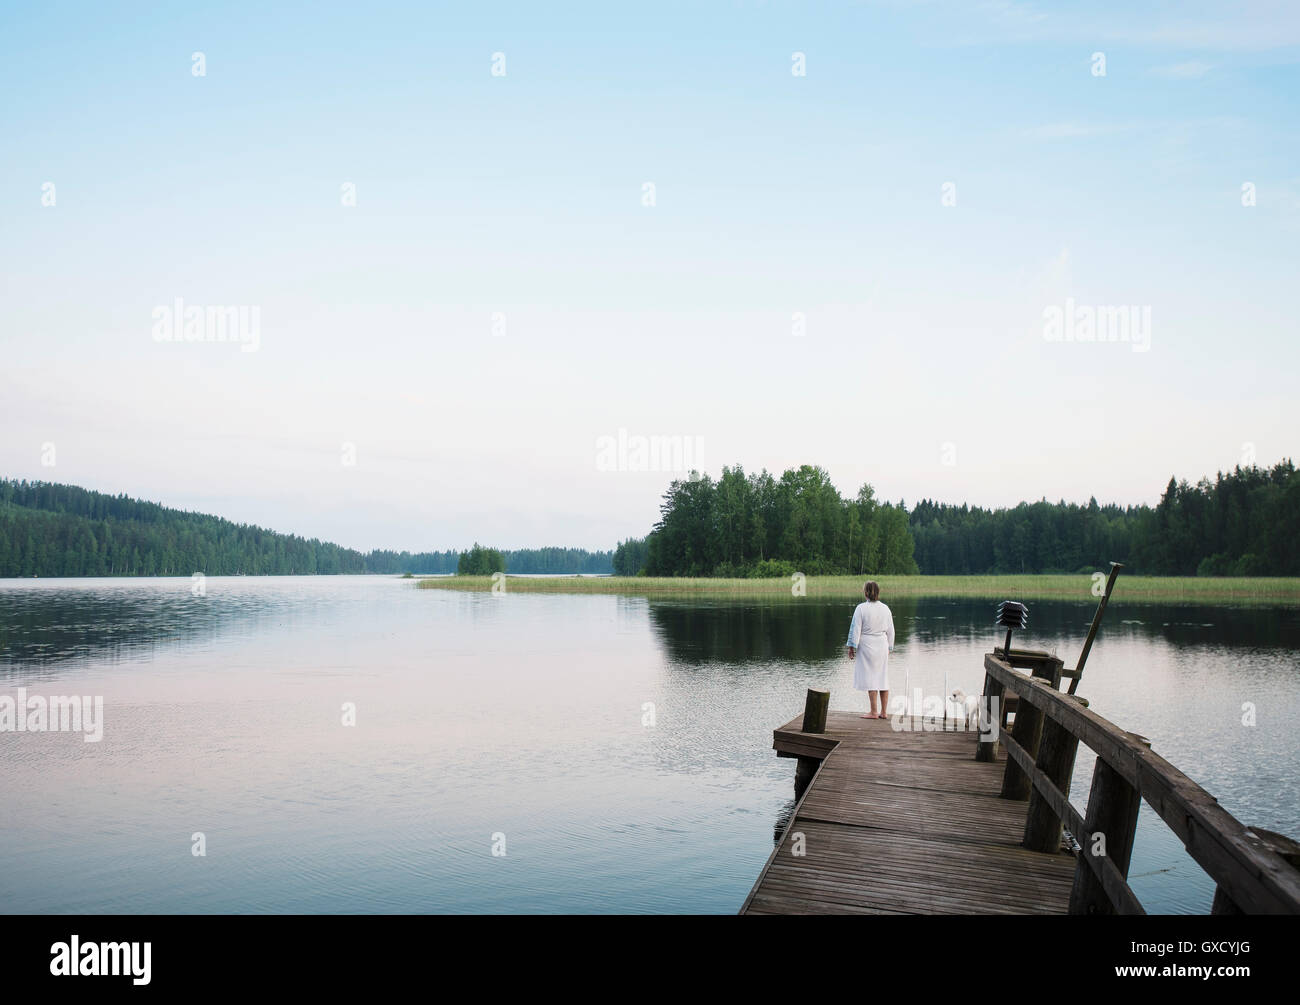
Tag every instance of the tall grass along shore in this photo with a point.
(1133, 589)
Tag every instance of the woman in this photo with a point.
(871, 636)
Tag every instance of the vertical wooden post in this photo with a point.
(815, 707)
(1113, 806)
(1028, 732)
(1274, 842)
(804, 770)
(991, 716)
(1056, 756)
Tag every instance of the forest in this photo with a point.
(47, 529)
(1243, 523)
(559, 561)
(757, 525)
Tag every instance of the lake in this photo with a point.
(616, 749)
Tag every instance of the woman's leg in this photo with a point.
(884, 704)
(875, 697)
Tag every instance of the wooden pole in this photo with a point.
(1096, 623)
(816, 705)
(1113, 806)
(1056, 756)
(804, 770)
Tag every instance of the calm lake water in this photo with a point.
(521, 720)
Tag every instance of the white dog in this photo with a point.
(970, 704)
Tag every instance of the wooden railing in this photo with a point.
(1255, 870)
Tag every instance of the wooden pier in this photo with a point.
(904, 823)
(955, 821)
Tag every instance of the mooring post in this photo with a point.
(1056, 754)
(1113, 806)
(815, 707)
(804, 769)
(1280, 844)
(991, 717)
(1028, 732)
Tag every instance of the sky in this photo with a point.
(480, 245)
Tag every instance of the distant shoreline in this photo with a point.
(1284, 591)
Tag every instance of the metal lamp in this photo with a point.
(1012, 615)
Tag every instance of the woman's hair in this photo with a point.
(872, 590)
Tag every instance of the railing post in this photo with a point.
(1028, 732)
(991, 717)
(1056, 756)
(1113, 806)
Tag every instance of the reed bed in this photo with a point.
(1131, 589)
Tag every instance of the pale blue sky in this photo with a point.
(522, 195)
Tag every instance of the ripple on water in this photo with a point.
(478, 732)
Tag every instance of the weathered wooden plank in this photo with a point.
(1051, 776)
(1113, 806)
(899, 819)
(1028, 732)
(1255, 877)
(904, 822)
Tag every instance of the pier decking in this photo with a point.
(904, 823)
(934, 821)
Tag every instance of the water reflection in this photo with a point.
(724, 631)
(1179, 675)
(759, 631)
(46, 625)
(525, 714)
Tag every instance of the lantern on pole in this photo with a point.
(1013, 616)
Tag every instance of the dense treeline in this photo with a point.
(758, 525)
(1031, 537)
(1244, 523)
(48, 529)
(630, 556)
(559, 561)
(480, 561)
(427, 562)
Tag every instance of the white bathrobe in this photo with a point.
(872, 634)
